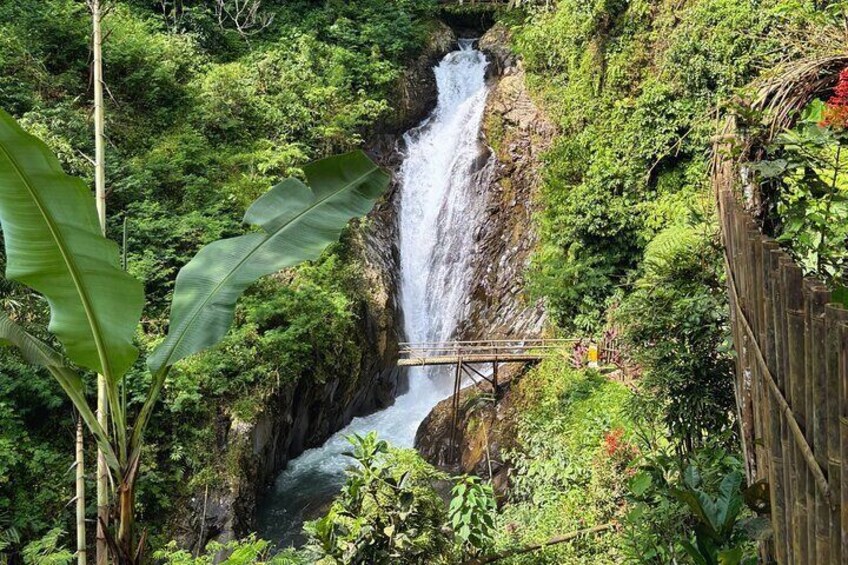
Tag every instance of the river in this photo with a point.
(440, 200)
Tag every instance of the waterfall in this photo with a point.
(438, 217)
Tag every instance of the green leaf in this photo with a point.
(54, 245)
(693, 552)
(770, 169)
(42, 355)
(640, 483)
(814, 112)
(691, 477)
(732, 556)
(298, 222)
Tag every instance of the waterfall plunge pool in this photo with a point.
(438, 214)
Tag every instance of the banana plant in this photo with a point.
(55, 247)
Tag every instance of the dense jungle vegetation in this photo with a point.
(200, 121)
(202, 118)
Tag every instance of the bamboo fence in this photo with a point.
(791, 382)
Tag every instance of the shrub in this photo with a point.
(387, 511)
(676, 320)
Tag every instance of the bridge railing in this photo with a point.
(482, 347)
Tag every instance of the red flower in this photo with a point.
(836, 108)
(840, 93)
(612, 441)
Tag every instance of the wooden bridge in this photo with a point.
(483, 351)
(466, 354)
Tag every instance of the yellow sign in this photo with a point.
(593, 355)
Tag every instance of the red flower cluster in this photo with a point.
(620, 452)
(836, 108)
(612, 441)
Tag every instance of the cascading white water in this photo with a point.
(438, 217)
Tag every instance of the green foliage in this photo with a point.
(716, 537)
(387, 511)
(247, 551)
(676, 320)
(472, 514)
(297, 223)
(179, 173)
(632, 86)
(43, 551)
(53, 245)
(692, 507)
(47, 551)
(568, 471)
(807, 170)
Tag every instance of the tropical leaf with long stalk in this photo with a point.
(38, 353)
(54, 246)
(297, 222)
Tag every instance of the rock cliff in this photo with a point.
(304, 414)
(517, 134)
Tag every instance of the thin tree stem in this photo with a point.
(80, 494)
(100, 196)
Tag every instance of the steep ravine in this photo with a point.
(305, 414)
(517, 133)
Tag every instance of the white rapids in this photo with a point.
(439, 205)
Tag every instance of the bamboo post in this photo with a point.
(843, 432)
(819, 297)
(754, 290)
(787, 446)
(796, 346)
(744, 392)
(805, 386)
(80, 495)
(100, 196)
(773, 429)
(782, 457)
(834, 393)
(762, 401)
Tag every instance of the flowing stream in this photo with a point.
(439, 207)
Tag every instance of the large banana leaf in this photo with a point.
(54, 246)
(297, 223)
(40, 354)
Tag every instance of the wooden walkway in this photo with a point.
(466, 354)
(476, 352)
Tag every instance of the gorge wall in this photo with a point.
(305, 413)
(517, 134)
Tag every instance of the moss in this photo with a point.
(494, 129)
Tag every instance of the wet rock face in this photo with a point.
(485, 432)
(517, 134)
(297, 417)
(416, 91)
